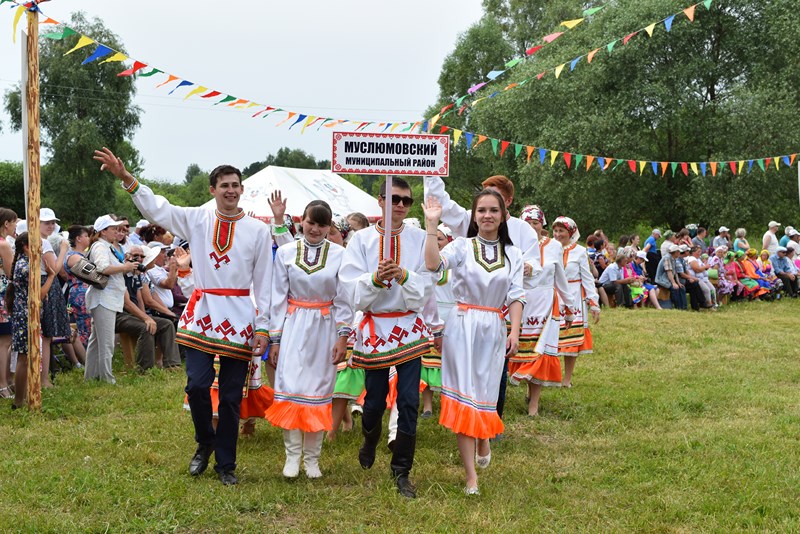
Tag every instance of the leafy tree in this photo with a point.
(82, 108)
(287, 157)
(191, 171)
(719, 88)
(12, 189)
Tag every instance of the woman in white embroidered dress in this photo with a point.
(486, 275)
(576, 339)
(537, 361)
(310, 318)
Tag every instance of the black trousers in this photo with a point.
(200, 376)
(622, 292)
(376, 382)
(696, 294)
(790, 286)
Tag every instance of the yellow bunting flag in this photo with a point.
(777, 161)
(83, 41)
(571, 23)
(695, 170)
(589, 161)
(17, 16)
(195, 91)
(394, 126)
(456, 136)
(119, 56)
(641, 167)
(559, 69)
(741, 164)
(433, 122)
(650, 29)
(310, 120)
(170, 78)
(591, 54)
(553, 155)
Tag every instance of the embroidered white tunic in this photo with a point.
(581, 285)
(485, 277)
(394, 328)
(310, 310)
(229, 255)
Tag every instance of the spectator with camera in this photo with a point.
(135, 321)
(164, 273)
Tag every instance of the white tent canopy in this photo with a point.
(301, 186)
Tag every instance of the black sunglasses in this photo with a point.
(397, 199)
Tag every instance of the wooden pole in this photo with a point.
(387, 218)
(34, 236)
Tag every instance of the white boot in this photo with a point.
(393, 415)
(312, 447)
(293, 442)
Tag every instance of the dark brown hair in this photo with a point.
(319, 212)
(502, 232)
(223, 170)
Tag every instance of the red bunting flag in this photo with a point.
(685, 168)
(632, 165)
(541, 75)
(137, 65)
(768, 160)
(444, 129)
(628, 37)
(552, 37)
(532, 50)
(568, 159)
(448, 106)
(503, 147)
(212, 94)
(733, 166)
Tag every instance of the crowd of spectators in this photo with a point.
(686, 268)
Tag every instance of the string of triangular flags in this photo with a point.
(494, 75)
(576, 161)
(205, 93)
(558, 70)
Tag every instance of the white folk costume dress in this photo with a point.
(486, 276)
(537, 360)
(350, 380)
(577, 339)
(310, 310)
(522, 236)
(392, 330)
(431, 375)
(229, 255)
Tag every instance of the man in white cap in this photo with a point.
(785, 271)
(231, 253)
(770, 240)
(788, 232)
(723, 238)
(164, 274)
(135, 236)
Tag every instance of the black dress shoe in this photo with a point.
(228, 478)
(406, 488)
(199, 462)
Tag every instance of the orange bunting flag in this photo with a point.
(713, 165)
(642, 165)
(664, 165)
(553, 156)
(591, 54)
(568, 159)
(83, 41)
(195, 91)
(481, 139)
(291, 114)
(238, 102)
(689, 12)
(608, 163)
(529, 150)
(632, 165)
(791, 160)
(511, 86)
(48, 20)
(171, 78)
(589, 161)
(733, 166)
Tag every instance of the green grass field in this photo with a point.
(680, 422)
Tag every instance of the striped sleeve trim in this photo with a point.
(404, 279)
(133, 188)
(278, 230)
(376, 282)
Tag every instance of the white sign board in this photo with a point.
(391, 154)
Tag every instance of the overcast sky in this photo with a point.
(348, 59)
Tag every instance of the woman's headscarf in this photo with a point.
(721, 248)
(533, 213)
(752, 253)
(448, 233)
(572, 228)
(341, 224)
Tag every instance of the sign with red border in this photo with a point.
(391, 154)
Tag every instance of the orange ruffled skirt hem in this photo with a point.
(463, 419)
(256, 403)
(544, 370)
(584, 348)
(294, 416)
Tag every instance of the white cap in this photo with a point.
(150, 254)
(674, 248)
(22, 226)
(684, 248)
(642, 254)
(157, 245)
(773, 224)
(656, 231)
(782, 249)
(142, 223)
(47, 215)
(792, 232)
(105, 221)
(792, 246)
(724, 229)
